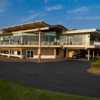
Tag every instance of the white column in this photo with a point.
(55, 52)
(21, 39)
(9, 41)
(9, 53)
(21, 53)
(39, 47)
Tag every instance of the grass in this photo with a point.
(15, 91)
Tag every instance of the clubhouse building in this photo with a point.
(39, 40)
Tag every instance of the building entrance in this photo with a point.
(29, 53)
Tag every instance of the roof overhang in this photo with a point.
(36, 26)
(32, 30)
(31, 26)
(81, 31)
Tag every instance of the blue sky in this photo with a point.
(70, 13)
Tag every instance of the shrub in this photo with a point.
(96, 63)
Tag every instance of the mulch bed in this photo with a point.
(94, 70)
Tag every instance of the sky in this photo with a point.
(70, 13)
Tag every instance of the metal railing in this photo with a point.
(29, 43)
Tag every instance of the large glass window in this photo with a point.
(25, 38)
(48, 37)
(79, 39)
(4, 39)
(29, 38)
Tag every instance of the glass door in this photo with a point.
(29, 53)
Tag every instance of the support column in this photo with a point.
(9, 53)
(55, 52)
(39, 47)
(21, 39)
(88, 54)
(21, 53)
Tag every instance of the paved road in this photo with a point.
(65, 76)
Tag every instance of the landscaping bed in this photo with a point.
(95, 67)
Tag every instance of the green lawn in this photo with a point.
(15, 91)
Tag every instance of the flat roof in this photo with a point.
(79, 31)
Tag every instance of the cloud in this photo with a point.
(84, 13)
(34, 16)
(76, 0)
(51, 1)
(4, 5)
(88, 18)
(45, 1)
(54, 8)
(2, 10)
(85, 18)
(49, 7)
(82, 9)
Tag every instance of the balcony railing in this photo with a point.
(29, 43)
(76, 43)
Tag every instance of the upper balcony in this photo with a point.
(30, 40)
(77, 45)
(29, 44)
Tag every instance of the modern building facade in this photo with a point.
(84, 41)
(40, 40)
(37, 40)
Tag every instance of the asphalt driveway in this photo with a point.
(65, 76)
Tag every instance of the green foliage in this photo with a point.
(15, 91)
(96, 63)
